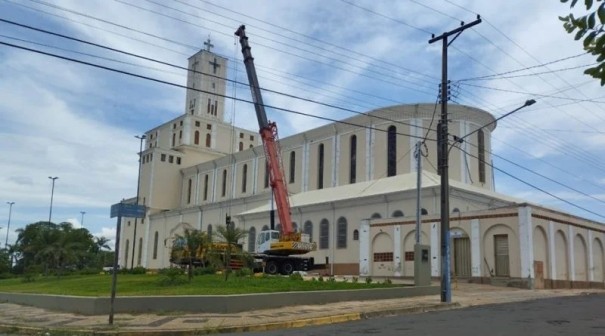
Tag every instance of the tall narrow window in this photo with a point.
(251, 239)
(189, 191)
(127, 249)
(209, 111)
(241, 146)
(481, 145)
(206, 187)
(392, 151)
(155, 245)
(196, 140)
(308, 229)
(208, 140)
(324, 234)
(173, 139)
(210, 232)
(244, 178)
(224, 187)
(266, 175)
(341, 233)
(292, 166)
(320, 167)
(140, 252)
(353, 160)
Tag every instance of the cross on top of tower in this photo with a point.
(215, 65)
(208, 45)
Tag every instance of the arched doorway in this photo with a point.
(382, 258)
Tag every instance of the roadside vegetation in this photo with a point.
(174, 282)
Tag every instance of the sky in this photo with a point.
(60, 118)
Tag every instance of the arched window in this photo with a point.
(210, 232)
(265, 227)
(376, 215)
(189, 183)
(456, 210)
(294, 227)
(320, 167)
(481, 148)
(324, 234)
(341, 233)
(251, 239)
(140, 251)
(423, 211)
(244, 178)
(208, 140)
(241, 146)
(127, 249)
(392, 151)
(355, 234)
(397, 213)
(224, 185)
(196, 139)
(292, 166)
(308, 229)
(155, 245)
(353, 160)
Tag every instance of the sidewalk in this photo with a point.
(16, 319)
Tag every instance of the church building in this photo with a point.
(352, 188)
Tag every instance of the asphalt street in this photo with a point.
(577, 315)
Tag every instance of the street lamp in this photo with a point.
(52, 192)
(134, 236)
(8, 227)
(82, 220)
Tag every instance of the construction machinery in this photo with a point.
(280, 251)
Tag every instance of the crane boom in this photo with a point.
(268, 132)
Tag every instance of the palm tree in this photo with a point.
(230, 235)
(195, 242)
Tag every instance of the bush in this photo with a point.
(387, 281)
(204, 270)
(369, 280)
(88, 271)
(171, 277)
(243, 272)
(296, 277)
(320, 278)
(355, 280)
(6, 275)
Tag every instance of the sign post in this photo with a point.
(121, 210)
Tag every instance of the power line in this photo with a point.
(535, 187)
(194, 71)
(198, 90)
(528, 68)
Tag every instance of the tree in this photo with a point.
(592, 32)
(194, 242)
(230, 235)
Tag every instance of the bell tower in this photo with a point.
(206, 82)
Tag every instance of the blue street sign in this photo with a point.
(127, 210)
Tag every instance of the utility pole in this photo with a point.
(442, 149)
(52, 193)
(10, 211)
(418, 188)
(82, 219)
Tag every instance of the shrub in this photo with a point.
(171, 277)
(331, 279)
(355, 280)
(369, 280)
(387, 281)
(204, 270)
(243, 272)
(296, 277)
(320, 279)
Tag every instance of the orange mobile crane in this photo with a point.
(278, 250)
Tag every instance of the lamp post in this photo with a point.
(134, 236)
(52, 193)
(82, 219)
(8, 227)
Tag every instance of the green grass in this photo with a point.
(147, 284)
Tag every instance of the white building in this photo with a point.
(353, 188)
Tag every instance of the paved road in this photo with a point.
(578, 315)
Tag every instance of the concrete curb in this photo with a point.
(316, 321)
